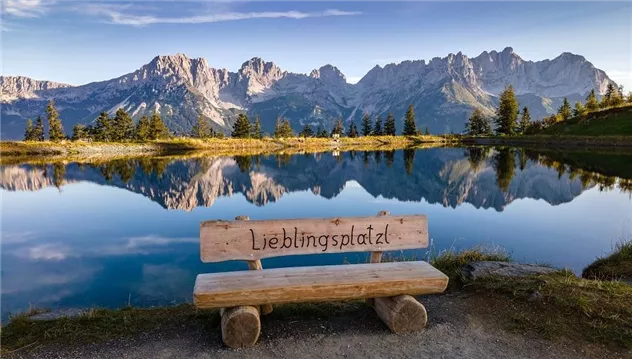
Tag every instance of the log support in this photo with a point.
(240, 326)
(401, 313)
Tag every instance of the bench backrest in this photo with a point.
(254, 240)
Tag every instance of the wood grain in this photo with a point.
(315, 284)
(252, 240)
(402, 313)
(240, 326)
(256, 265)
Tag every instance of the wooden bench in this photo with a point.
(243, 295)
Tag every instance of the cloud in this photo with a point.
(116, 14)
(25, 8)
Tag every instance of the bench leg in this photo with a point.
(402, 313)
(240, 326)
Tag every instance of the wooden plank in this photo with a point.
(252, 240)
(256, 265)
(376, 257)
(315, 284)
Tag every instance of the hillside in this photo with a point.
(443, 91)
(610, 122)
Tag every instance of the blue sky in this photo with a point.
(80, 42)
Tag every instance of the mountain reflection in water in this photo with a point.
(483, 177)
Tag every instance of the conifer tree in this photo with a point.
(157, 128)
(478, 124)
(143, 129)
(28, 131)
(79, 132)
(377, 129)
(579, 110)
(389, 125)
(256, 129)
(306, 131)
(103, 128)
(507, 112)
(277, 127)
(286, 129)
(525, 121)
(322, 133)
(38, 130)
(565, 110)
(410, 129)
(123, 126)
(591, 101)
(609, 98)
(427, 132)
(241, 128)
(55, 127)
(353, 130)
(338, 128)
(366, 125)
(201, 128)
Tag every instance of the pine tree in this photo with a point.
(201, 128)
(256, 129)
(389, 125)
(565, 110)
(38, 130)
(612, 97)
(157, 128)
(79, 132)
(55, 127)
(143, 129)
(478, 124)
(322, 132)
(410, 129)
(241, 128)
(122, 126)
(579, 110)
(591, 101)
(377, 129)
(525, 120)
(629, 99)
(286, 129)
(28, 131)
(353, 130)
(366, 125)
(103, 128)
(277, 127)
(338, 128)
(427, 132)
(507, 112)
(306, 131)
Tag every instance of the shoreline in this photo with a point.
(552, 141)
(180, 146)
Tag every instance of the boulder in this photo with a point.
(476, 270)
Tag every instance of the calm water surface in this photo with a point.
(78, 235)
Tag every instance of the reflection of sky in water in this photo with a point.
(95, 245)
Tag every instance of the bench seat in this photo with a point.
(316, 284)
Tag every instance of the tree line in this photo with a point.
(244, 128)
(119, 128)
(510, 120)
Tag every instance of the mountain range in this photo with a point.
(443, 91)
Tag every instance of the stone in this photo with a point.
(478, 270)
(57, 314)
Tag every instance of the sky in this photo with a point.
(77, 42)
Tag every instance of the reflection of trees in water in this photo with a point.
(390, 157)
(243, 162)
(378, 157)
(505, 165)
(575, 170)
(283, 159)
(476, 156)
(59, 170)
(365, 158)
(409, 158)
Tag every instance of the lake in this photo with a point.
(126, 231)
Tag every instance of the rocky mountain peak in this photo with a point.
(329, 74)
(13, 87)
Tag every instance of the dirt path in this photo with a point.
(457, 328)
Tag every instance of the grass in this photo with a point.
(616, 266)
(611, 122)
(230, 145)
